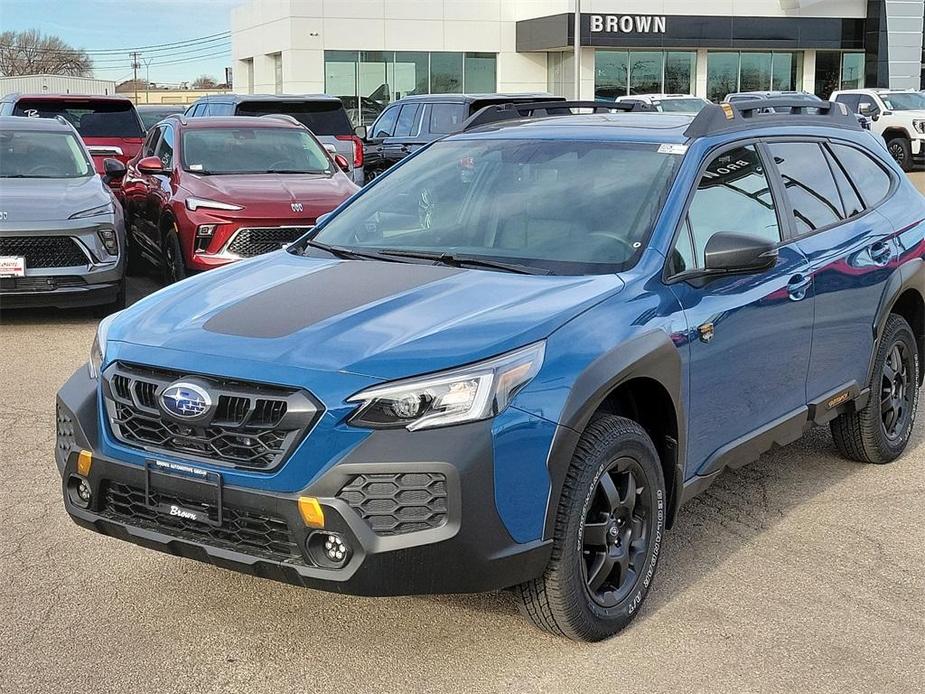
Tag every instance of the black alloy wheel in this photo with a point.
(614, 537)
(896, 391)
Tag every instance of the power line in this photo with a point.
(107, 57)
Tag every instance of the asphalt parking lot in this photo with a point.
(802, 571)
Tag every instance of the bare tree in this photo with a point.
(33, 53)
(205, 82)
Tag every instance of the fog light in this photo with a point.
(334, 547)
(328, 550)
(83, 491)
(206, 229)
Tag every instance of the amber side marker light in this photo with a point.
(84, 461)
(727, 109)
(311, 511)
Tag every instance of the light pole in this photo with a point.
(577, 38)
(147, 62)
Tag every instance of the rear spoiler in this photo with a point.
(546, 109)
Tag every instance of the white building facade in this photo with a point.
(371, 52)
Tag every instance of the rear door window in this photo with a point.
(809, 184)
(446, 118)
(321, 117)
(91, 117)
(407, 120)
(869, 178)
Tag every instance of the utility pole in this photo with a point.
(148, 62)
(135, 66)
(577, 60)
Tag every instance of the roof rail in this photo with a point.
(742, 115)
(544, 109)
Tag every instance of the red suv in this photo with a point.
(108, 125)
(203, 192)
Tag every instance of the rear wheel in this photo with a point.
(607, 538)
(901, 150)
(173, 266)
(879, 432)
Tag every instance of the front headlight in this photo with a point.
(98, 349)
(919, 125)
(468, 394)
(93, 211)
(193, 204)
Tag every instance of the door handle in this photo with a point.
(881, 252)
(798, 285)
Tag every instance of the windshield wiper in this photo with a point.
(294, 171)
(470, 260)
(349, 253)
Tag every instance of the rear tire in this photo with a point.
(879, 432)
(606, 543)
(901, 150)
(173, 266)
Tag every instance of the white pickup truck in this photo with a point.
(897, 115)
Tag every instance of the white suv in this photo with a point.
(897, 115)
(680, 103)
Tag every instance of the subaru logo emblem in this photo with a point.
(296, 206)
(185, 400)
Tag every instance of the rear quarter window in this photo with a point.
(321, 117)
(91, 117)
(870, 179)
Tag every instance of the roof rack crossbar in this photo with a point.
(740, 115)
(544, 109)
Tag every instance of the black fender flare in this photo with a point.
(910, 275)
(650, 355)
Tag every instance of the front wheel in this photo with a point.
(901, 150)
(879, 432)
(173, 266)
(608, 535)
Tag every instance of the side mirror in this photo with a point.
(360, 132)
(870, 110)
(113, 170)
(728, 252)
(342, 162)
(151, 165)
(331, 148)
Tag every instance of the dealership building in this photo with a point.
(371, 52)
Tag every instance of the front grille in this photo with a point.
(245, 531)
(39, 284)
(399, 503)
(250, 425)
(44, 251)
(250, 242)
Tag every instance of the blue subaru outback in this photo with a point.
(509, 361)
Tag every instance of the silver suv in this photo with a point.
(62, 238)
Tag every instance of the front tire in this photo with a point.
(901, 150)
(879, 432)
(173, 267)
(606, 544)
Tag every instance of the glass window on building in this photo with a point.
(838, 70)
(722, 74)
(446, 73)
(367, 81)
(618, 73)
(750, 71)
(680, 71)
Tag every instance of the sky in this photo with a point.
(107, 25)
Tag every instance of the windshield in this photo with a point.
(904, 101)
(253, 150)
(91, 117)
(42, 154)
(150, 116)
(680, 105)
(569, 207)
(321, 117)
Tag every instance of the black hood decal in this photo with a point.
(299, 303)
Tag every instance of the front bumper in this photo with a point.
(60, 297)
(471, 552)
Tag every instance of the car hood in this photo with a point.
(26, 200)
(377, 319)
(273, 188)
